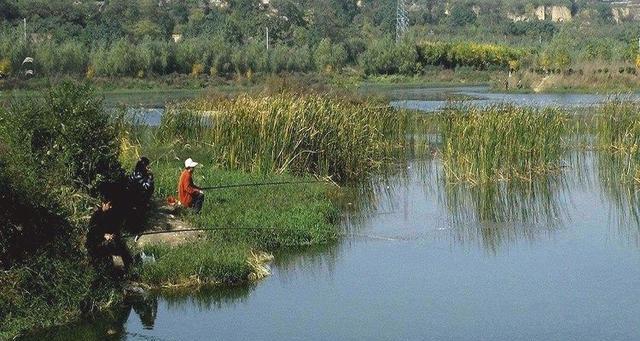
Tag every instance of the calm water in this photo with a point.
(418, 98)
(558, 260)
(435, 98)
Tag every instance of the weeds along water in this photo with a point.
(308, 133)
(481, 145)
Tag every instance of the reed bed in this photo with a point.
(310, 133)
(617, 125)
(481, 145)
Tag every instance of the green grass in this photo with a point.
(290, 215)
(617, 125)
(201, 262)
(482, 145)
(252, 218)
(50, 292)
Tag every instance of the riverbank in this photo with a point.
(243, 223)
(160, 90)
(66, 147)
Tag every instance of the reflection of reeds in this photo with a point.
(207, 297)
(482, 145)
(502, 212)
(616, 187)
(308, 133)
(530, 203)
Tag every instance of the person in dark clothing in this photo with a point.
(140, 188)
(141, 181)
(104, 238)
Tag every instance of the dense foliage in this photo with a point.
(481, 145)
(56, 150)
(228, 38)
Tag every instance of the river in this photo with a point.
(421, 259)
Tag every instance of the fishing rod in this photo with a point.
(343, 234)
(206, 229)
(259, 184)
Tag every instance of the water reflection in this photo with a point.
(313, 262)
(619, 188)
(497, 214)
(109, 325)
(207, 298)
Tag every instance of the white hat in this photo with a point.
(188, 163)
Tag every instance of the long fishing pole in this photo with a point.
(206, 229)
(258, 184)
(344, 234)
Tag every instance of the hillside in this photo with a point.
(241, 38)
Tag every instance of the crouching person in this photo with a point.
(104, 238)
(189, 194)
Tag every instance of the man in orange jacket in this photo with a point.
(189, 194)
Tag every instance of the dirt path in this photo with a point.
(166, 218)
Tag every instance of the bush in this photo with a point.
(60, 148)
(55, 151)
(379, 58)
(329, 56)
(5, 67)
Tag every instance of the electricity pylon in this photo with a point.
(402, 19)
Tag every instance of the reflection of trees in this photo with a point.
(108, 325)
(499, 213)
(616, 175)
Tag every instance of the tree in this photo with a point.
(462, 15)
(604, 12)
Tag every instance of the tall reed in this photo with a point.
(289, 132)
(617, 124)
(500, 142)
(617, 130)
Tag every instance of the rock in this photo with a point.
(135, 290)
(118, 263)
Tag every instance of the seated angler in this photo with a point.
(141, 181)
(140, 192)
(189, 194)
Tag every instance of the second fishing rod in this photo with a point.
(274, 183)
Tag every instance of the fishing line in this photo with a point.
(269, 184)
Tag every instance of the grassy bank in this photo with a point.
(285, 136)
(248, 220)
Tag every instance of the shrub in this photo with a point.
(55, 150)
(197, 69)
(379, 57)
(5, 67)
